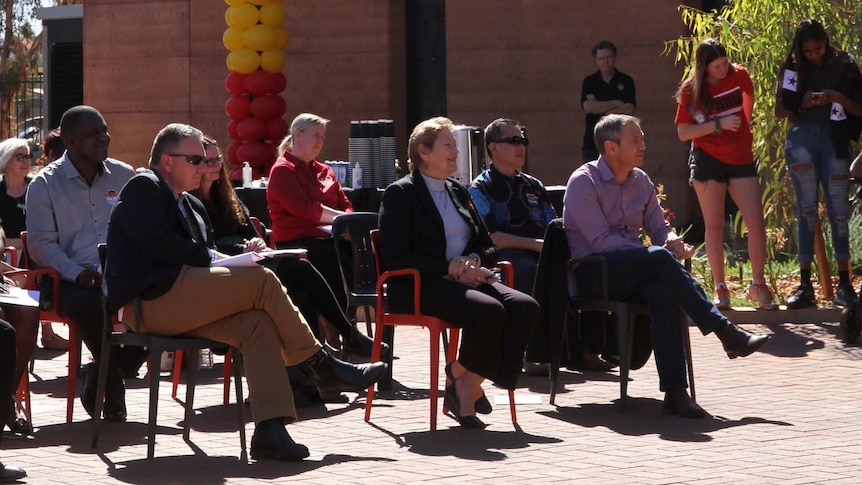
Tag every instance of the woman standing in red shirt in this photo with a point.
(304, 196)
(714, 110)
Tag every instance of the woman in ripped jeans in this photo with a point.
(819, 86)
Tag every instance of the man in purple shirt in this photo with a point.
(607, 203)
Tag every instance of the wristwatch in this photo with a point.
(717, 122)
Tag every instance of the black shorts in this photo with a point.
(705, 167)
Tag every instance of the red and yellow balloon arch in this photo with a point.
(256, 41)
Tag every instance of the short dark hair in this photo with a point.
(75, 115)
(604, 44)
(169, 137)
(494, 130)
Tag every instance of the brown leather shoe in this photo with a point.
(740, 343)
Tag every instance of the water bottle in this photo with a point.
(246, 175)
(356, 183)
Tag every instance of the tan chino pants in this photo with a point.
(244, 307)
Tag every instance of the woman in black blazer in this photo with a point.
(428, 222)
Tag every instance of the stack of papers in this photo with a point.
(253, 258)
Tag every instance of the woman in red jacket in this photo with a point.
(304, 196)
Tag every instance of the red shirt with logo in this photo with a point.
(296, 194)
(731, 147)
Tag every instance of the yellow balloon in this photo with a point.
(280, 39)
(232, 39)
(227, 15)
(273, 60)
(257, 2)
(243, 61)
(234, 3)
(272, 14)
(259, 38)
(244, 16)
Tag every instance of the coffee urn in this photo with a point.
(470, 141)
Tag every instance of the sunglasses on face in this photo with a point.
(515, 140)
(214, 162)
(192, 159)
(21, 157)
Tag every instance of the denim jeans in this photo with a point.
(652, 276)
(812, 163)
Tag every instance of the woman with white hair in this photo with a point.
(15, 168)
(304, 196)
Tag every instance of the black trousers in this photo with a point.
(321, 253)
(7, 370)
(84, 308)
(524, 265)
(310, 292)
(496, 323)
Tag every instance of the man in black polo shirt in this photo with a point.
(604, 92)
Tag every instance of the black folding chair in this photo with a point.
(157, 345)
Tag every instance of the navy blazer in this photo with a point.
(149, 240)
(412, 229)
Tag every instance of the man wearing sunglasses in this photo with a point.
(604, 92)
(68, 206)
(161, 250)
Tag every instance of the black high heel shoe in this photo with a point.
(483, 405)
(450, 402)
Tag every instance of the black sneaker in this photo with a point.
(845, 296)
(802, 297)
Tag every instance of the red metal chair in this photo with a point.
(228, 371)
(435, 326)
(53, 316)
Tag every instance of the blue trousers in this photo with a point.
(652, 276)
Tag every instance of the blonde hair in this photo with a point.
(301, 122)
(425, 134)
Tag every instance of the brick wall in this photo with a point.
(151, 62)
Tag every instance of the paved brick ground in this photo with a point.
(788, 415)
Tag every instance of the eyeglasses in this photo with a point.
(514, 140)
(193, 159)
(603, 59)
(214, 162)
(22, 157)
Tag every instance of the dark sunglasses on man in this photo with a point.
(514, 140)
(198, 159)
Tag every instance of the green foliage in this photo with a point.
(757, 35)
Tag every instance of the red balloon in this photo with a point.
(230, 154)
(235, 174)
(260, 82)
(251, 129)
(231, 129)
(238, 107)
(255, 153)
(268, 107)
(234, 82)
(280, 82)
(276, 129)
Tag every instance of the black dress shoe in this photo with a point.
(483, 405)
(89, 375)
(738, 342)
(678, 403)
(451, 402)
(332, 376)
(357, 343)
(9, 474)
(271, 441)
(802, 297)
(115, 400)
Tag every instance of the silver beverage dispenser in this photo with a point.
(470, 141)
